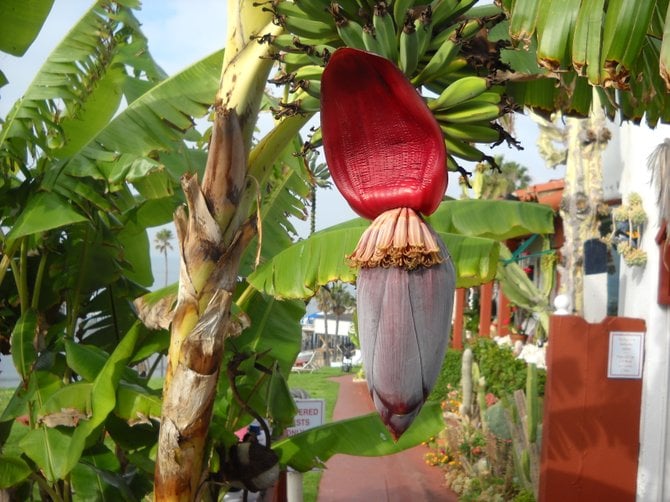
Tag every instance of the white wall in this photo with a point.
(342, 328)
(637, 298)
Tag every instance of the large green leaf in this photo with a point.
(103, 40)
(272, 342)
(20, 24)
(97, 477)
(13, 470)
(492, 219)
(67, 405)
(361, 436)
(45, 211)
(299, 270)
(275, 329)
(41, 385)
(23, 343)
(88, 361)
(620, 45)
(285, 195)
(136, 404)
(466, 226)
(48, 448)
(103, 395)
(154, 121)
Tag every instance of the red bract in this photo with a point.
(383, 146)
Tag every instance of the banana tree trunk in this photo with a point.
(212, 233)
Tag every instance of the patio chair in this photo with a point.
(304, 362)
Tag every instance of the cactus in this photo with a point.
(497, 422)
(523, 420)
(481, 396)
(532, 404)
(466, 382)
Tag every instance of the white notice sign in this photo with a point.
(626, 354)
(310, 414)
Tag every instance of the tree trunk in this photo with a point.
(212, 237)
(208, 273)
(324, 346)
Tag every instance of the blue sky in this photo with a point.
(181, 32)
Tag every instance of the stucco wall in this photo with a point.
(637, 298)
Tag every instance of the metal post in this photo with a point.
(293, 486)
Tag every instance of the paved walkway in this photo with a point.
(401, 477)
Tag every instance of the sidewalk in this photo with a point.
(400, 477)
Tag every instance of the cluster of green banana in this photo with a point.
(425, 42)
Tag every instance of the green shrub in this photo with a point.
(524, 496)
(504, 373)
(450, 375)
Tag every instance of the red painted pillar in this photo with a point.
(485, 297)
(459, 307)
(591, 422)
(503, 312)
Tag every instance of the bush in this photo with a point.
(450, 375)
(504, 373)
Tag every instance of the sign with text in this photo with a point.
(310, 414)
(625, 354)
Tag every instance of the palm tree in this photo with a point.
(318, 176)
(342, 301)
(497, 183)
(163, 244)
(324, 302)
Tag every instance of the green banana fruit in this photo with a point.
(385, 31)
(435, 66)
(490, 97)
(469, 112)
(469, 28)
(473, 133)
(370, 40)
(400, 8)
(311, 87)
(296, 21)
(349, 31)
(463, 149)
(297, 59)
(309, 72)
(409, 48)
(315, 9)
(350, 7)
(424, 31)
(452, 165)
(443, 10)
(461, 90)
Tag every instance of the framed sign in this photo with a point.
(626, 353)
(310, 414)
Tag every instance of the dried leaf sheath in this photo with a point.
(384, 147)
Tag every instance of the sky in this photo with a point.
(181, 32)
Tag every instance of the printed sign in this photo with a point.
(625, 355)
(310, 414)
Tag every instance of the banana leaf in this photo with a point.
(20, 26)
(619, 46)
(364, 436)
(471, 230)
